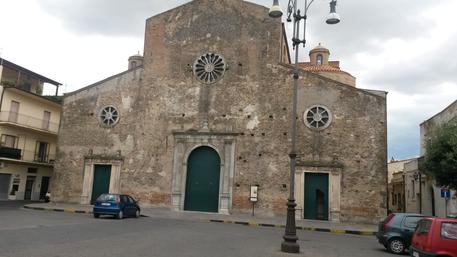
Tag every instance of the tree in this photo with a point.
(440, 160)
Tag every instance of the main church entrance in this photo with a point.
(202, 182)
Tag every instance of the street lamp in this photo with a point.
(290, 245)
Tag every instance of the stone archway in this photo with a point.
(223, 144)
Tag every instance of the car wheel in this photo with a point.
(396, 246)
(96, 215)
(137, 213)
(120, 215)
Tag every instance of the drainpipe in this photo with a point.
(420, 192)
(1, 98)
(404, 192)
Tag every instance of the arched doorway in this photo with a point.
(202, 182)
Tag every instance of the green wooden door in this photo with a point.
(316, 196)
(202, 183)
(102, 174)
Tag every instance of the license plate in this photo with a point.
(415, 254)
(106, 204)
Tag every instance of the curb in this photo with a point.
(63, 210)
(57, 210)
(243, 223)
(328, 230)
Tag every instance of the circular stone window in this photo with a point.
(209, 68)
(317, 117)
(109, 116)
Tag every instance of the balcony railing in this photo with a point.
(29, 121)
(38, 157)
(24, 155)
(12, 153)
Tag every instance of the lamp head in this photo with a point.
(333, 17)
(275, 10)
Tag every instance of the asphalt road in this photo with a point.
(30, 233)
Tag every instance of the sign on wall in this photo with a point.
(253, 197)
(445, 193)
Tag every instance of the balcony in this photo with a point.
(26, 156)
(12, 153)
(38, 157)
(29, 122)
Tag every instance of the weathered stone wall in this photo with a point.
(339, 76)
(81, 133)
(252, 102)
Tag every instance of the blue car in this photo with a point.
(119, 206)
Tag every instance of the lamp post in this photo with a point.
(290, 244)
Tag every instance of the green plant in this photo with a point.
(8, 83)
(440, 159)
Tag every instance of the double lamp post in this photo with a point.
(290, 244)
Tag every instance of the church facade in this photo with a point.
(205, 115)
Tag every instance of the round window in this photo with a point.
(317, 117)
(209, 68)
(109, 116)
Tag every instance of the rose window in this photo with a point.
(317, 117)
(209, 68)
(109, 116)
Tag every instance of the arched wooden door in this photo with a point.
(202, 182)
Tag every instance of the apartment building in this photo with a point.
(29, 124)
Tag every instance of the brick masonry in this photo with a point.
(252, 103)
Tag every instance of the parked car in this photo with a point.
(119, 206)
(435, 237)
(396, 231)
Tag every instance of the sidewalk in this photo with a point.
(241, 219)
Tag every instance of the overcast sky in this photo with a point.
(401, 46)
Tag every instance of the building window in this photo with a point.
(14, 111)
(42, 152)
(319, 59)
(9, 141)
(317, 117)
(46, 120)
(209, 68)
(32, 170)
(109, 116)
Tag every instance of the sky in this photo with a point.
(404, 47)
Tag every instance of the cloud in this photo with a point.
(106, 17)
(393, 45)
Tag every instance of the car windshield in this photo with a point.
(107, 198)
(449, 230)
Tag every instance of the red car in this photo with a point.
(435, 237)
